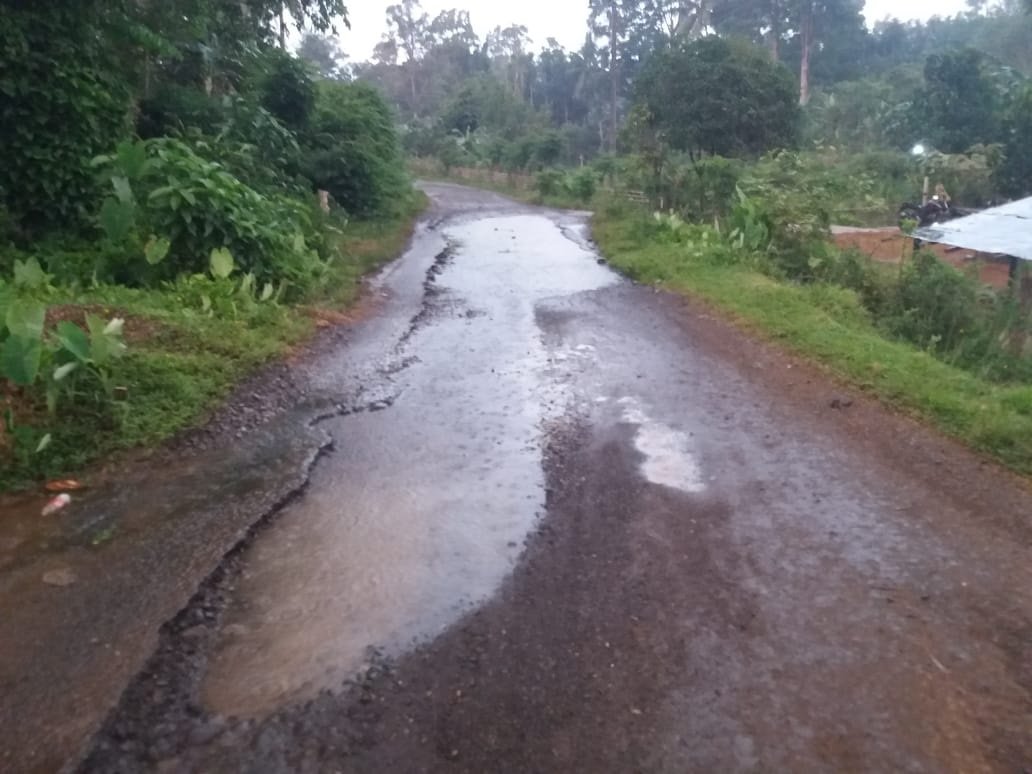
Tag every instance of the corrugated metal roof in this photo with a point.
(1006, 229)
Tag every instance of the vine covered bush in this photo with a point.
(164, 193)
(62, 101)
(353, 150)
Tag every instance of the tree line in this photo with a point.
(952, 83)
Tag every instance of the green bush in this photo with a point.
(352, 149)
(59, 366)
(854, 271)
(582, 184)
(549, 182)
(934, 305)
(162, 190)
(235, 131)
(287, 89)
(63, 100)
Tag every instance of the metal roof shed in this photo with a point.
(1005, 230)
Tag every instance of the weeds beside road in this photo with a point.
(182, 358)
(829, 323)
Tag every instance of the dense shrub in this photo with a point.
(714, 96)
(62, 101)
(579, 184)
(352, 149)
(582, 184)
(234, 130)
(163, 190)
(287, 89)
(549, 182)
(935, 305)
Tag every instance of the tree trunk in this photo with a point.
(283, 27)
(614, 75)
(804, 63)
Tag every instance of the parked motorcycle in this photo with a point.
(935, 210)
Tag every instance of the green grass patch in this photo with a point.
(182, 361)
(830, 325)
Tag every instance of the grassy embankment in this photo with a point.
(820, 322)
(181, 361)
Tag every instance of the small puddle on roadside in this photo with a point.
(421, 512)
(669, 460)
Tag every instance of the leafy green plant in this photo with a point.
(749, 225)
(22, 340)
(66, 365)
(352, 149)
(934, 305)
(63, 99)
(582, 184)
(189, 206)
(549, 182)
(84, 356)
(215, 293)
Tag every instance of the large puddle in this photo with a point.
(422, 510)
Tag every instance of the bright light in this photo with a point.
(918, 150)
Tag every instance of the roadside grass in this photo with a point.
(829, 325)
(181, 361)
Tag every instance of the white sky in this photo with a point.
(564, 20)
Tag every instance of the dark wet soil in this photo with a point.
(736, 564)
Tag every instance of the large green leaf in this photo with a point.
(61, 372)
(132, 158)
(25, 319)
(20, 359)
(117, 219)
(221, 262)
(74, 339)
(29, 274)
(156, 249)
(105, 342)
(123, 191)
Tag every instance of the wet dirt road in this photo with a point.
(569, 523)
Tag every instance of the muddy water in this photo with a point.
(422, 510)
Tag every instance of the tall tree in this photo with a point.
(408, 26)
(672, 19)
(712, 96)
(322, 53)
(508, 50)
(765, 22)
(818, 26)
(958, 105)
(614, 22)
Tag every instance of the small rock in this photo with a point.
(203, 734)
(841, 403)
(62, 576)
(193, 632)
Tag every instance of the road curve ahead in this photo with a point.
(570, 523)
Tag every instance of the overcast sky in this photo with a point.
(564, 20)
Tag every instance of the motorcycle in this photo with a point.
(935, 210)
